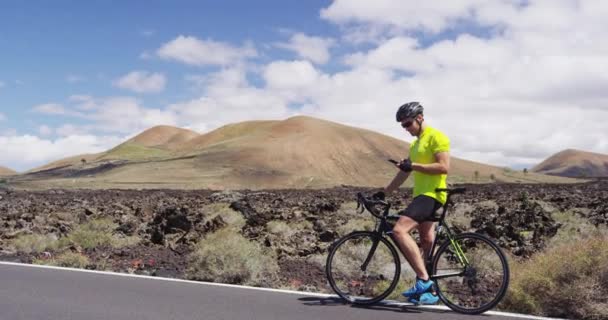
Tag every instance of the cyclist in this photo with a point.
(429, 161)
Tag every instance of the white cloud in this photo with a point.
(28, 151)
(68, 130)
(290, 74)
(83, 102)
(142, 82)
(499, 97)
(430, 17)
(315, 49)
(229, 98)
(2, 117)
(193, 51)
(127, 115)
(50, 108)
(124, 115)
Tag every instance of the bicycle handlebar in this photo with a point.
(370, 205)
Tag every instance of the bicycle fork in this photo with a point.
(370, 254)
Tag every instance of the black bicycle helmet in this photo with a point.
(409, 110)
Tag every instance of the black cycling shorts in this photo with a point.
(422, 209)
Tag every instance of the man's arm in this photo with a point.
(440, 166)
(397, 181)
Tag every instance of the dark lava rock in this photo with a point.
(172, 221)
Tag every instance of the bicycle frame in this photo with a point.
(383, 227)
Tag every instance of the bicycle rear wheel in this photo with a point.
(476, 285)
(363, 267)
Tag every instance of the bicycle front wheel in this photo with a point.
(363, 267)
(471, 273)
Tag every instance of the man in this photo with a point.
(429, 160)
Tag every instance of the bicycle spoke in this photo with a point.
(359, 282)
(481, 282)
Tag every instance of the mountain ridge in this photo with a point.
(4, 171)
(297, 152)
(574, 163)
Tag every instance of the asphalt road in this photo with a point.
(40, 293)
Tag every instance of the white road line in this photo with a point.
(302, 293)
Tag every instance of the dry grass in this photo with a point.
(574, 228)
(569, 280)
(233, 218)
(287, 230)
(228, 257)
(67, 259)
(355, 225)
(91, 234)
(95, 233)
(34, 243)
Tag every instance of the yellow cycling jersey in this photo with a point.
(423, 150)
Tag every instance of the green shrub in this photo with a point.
(68, 259)
(119, 241)
(92, 234)
(34, 243)
(287, 230)
(280, 228)
(570, 281)
(348, 209)
(228, 257)
(356, 225)
(95, 233)
(231, 217)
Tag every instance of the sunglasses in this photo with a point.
(407, 124)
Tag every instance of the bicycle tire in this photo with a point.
(344, 263)
(463, 293)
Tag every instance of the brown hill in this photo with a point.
(574, 163)
(4, 171)
(298, 152)
(153, 144)
(223, 134)
(66, 162)
(164, 137)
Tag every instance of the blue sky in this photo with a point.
(87, 44)
(80, 77)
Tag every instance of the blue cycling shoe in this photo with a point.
(419, 288)
(425, 298)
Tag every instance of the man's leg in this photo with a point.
(427, 235)
(408, 246)
(417, 212)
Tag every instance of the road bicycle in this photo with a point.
(469, 271)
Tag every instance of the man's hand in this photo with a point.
(405, 165)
